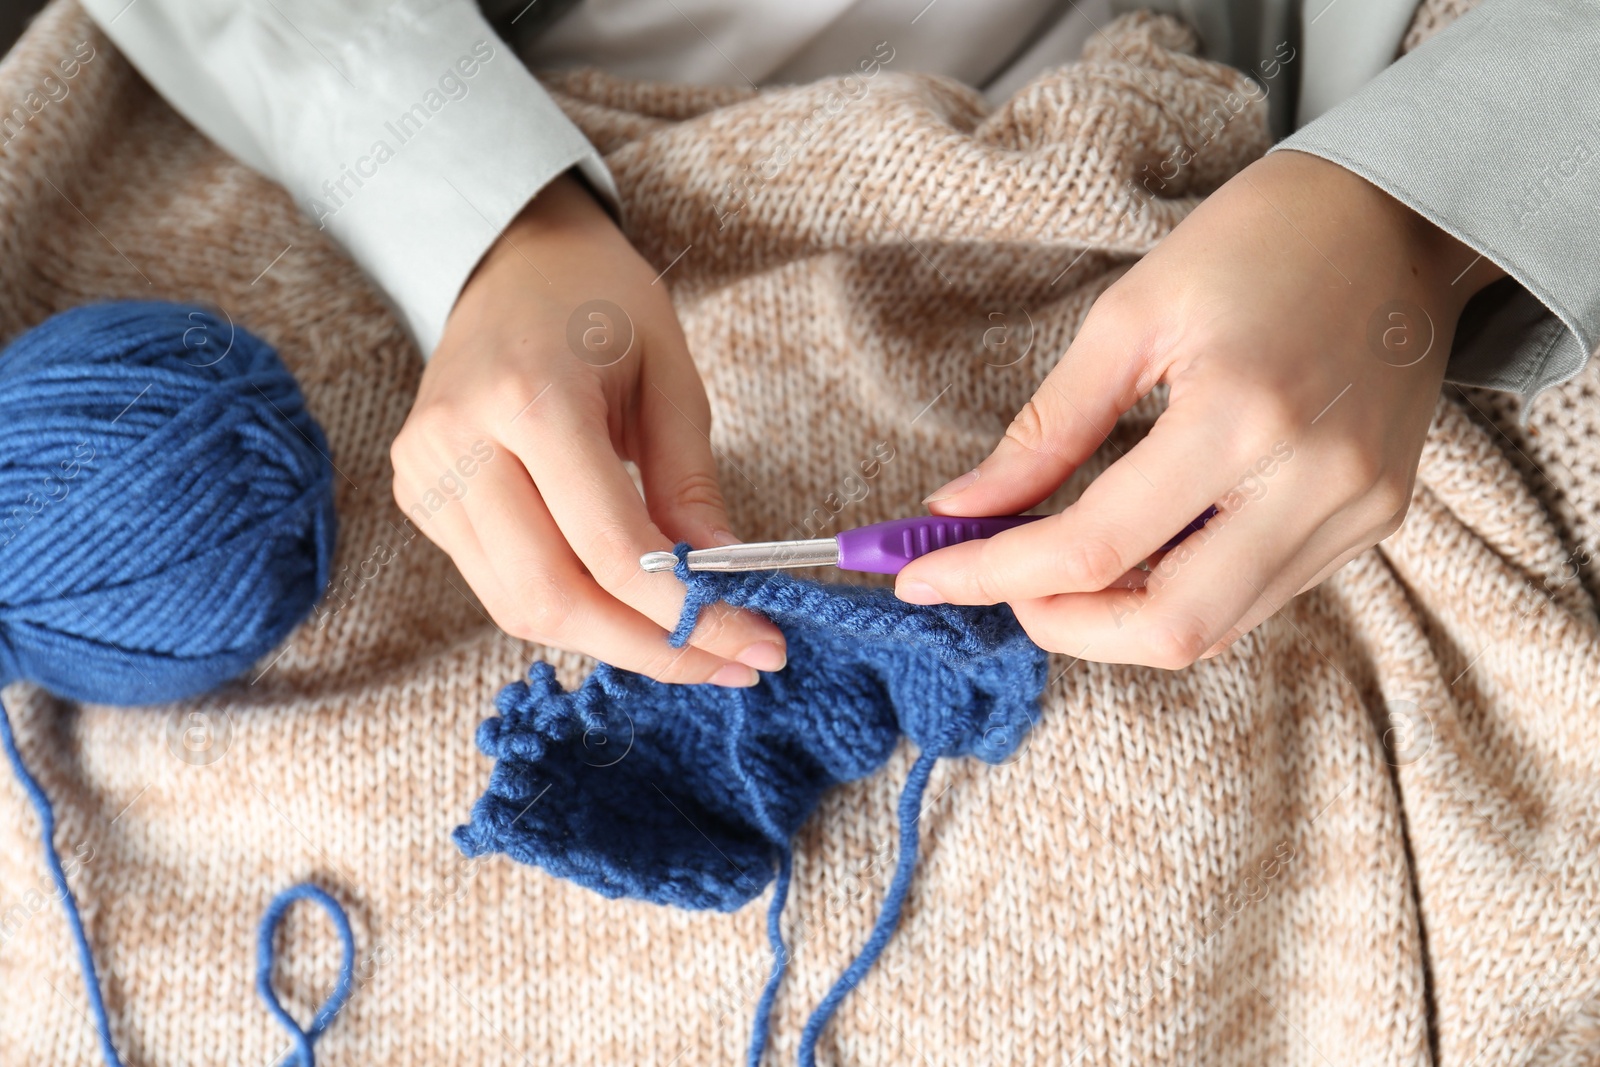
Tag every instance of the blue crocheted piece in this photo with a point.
(688, 794)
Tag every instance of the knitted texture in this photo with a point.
(1364, 835)
(1432, 16)
(685, 794)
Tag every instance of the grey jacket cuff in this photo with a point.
(1492, 131)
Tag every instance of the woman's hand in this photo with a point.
(1302, 318)
(565, 357)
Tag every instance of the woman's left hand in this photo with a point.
(1302, 319)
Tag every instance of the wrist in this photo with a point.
(1460, 271)
(1447, 272)
(563, 207)
(563, 211)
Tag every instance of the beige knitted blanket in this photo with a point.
(1367, 834)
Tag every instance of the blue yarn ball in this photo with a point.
(166, 504)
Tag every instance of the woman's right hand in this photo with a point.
(562, 358)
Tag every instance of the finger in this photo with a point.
(1192, 600)
(599, 512)
(681, 490)
(1289, 584)
(1137, 505)
(543, 595)
(1069, 415)
(451, 528)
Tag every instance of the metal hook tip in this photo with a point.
(656, 562)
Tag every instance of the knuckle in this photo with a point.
(668, 665)
(400, 446)
(429, 432)
(543, 609)
(1389, 527)
(1116, 304)
(1040, 628)
(397, 488)
(1177, 644)
(587, 406)
(712, 626)
(1384, 523)
(1390, 499)
(1271, 415)
(985, 579)
(1029, 429)
(1355, 471)
(615, 556)
(987, 586)
(406, 445)
(698, 489)
(1090, 563)
(431, 422)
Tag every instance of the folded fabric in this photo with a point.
(688, 795)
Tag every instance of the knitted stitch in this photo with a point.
(698, 809)
(684, 794)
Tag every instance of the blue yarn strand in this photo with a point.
(302, 1054)
(894, 900)
(780, 960)
(69, 903)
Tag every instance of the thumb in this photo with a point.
(1070, 414)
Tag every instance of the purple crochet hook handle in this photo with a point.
(886, 547)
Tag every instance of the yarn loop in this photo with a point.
(303, 1039)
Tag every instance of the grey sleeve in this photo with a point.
(1492, 131)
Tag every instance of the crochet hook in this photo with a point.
(882, 548)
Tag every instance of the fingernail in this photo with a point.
(735, 675)
(724, 537)
(951, 488)
(915, 592)
(764, 656)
